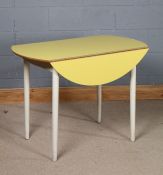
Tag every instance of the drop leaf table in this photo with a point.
(91, 61)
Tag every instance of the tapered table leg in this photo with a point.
(99, 102)
(55, 101)
(133, 103)
(26, 98)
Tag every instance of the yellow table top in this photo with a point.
(59, 50)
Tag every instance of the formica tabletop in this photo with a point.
(59, 50)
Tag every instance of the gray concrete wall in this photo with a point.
(23, 21)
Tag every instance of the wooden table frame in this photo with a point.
(55, 105)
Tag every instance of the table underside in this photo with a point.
(43, 64)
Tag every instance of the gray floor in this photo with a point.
(85, 147)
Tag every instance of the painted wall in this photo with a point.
(23, 21)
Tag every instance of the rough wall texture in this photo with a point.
(23, 21)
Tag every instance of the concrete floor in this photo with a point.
(85, 147)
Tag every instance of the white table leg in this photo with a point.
(99, 102)
(26, 97)
(55, 101)
(133, 103)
